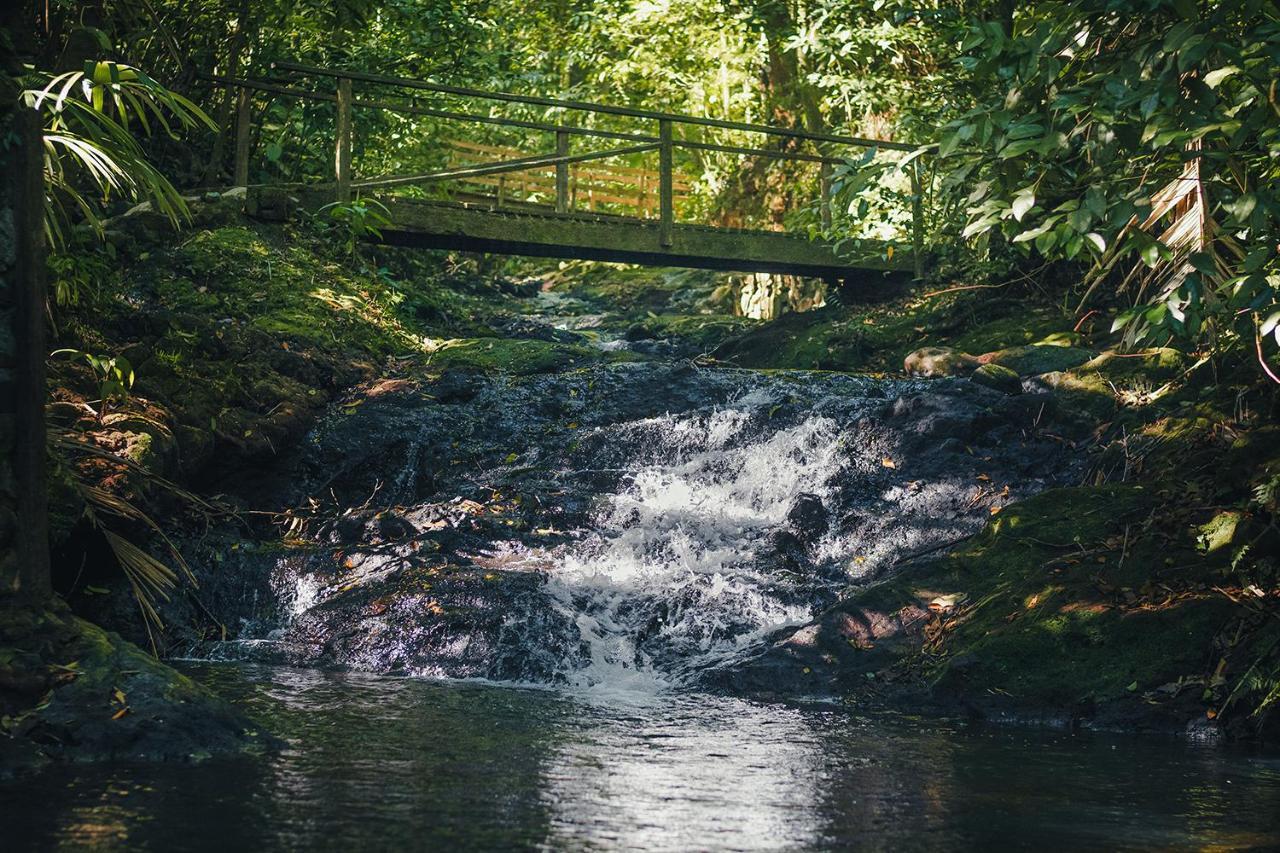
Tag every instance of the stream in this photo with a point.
(641, 525)
(392, 763)
(509, 610)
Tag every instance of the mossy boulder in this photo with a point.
(71, 691)
(1036, 359)
(1114, 380)
(997, 378)
(1059, 610)
(518, 357)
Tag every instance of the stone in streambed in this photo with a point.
(808, 517)
(997, 378)
(939, 361)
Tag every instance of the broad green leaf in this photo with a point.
(1023, 202)
(1213, 78)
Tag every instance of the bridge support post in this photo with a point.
(917, 220)
(824, 187)
(342, 150)
(562, 172)
(244, 117)
(666, 222)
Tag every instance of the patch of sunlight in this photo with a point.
(1139, 393)
(1219, 531)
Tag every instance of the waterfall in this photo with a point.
(672, 578)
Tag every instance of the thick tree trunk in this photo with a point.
(24, 539)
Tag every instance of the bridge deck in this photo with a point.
(602, 237)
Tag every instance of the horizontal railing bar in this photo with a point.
(264, 86)
(505, 166)
(584, 106)
(758, 152)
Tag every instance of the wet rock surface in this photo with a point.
(634, 520)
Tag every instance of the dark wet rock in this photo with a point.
(452, 503)
(392, 525)
(349, 528)
(638, 332)
(524, 327)
(456, 386)
(997, 378)
(808, 516)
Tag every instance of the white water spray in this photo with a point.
(671, 570)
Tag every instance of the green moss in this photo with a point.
(700, 331)
(1024, 326)
(878, 338)
(1112, 379)
(515, 356)
(286, 289)
(1043, 620)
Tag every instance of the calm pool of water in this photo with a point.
(378, 763)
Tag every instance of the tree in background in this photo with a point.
(1140, 138)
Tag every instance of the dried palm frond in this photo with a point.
(150, 579)
(1191, 237)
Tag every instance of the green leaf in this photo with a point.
(1099, 242)
(1096, 201)
(1271, 323)
(1031, 234)
(1213, 78)
(1023, 202)
(1151, 254)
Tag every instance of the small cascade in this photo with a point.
(634, 526)
(676, 574)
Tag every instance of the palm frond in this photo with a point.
(91, 146)
(1189, 237)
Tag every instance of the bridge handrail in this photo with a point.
(586, 106)
(665, 142)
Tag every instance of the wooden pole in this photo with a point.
(342, 151)
(824, 205)
(244, 118)
(562, 172)
(917, 220)
(666, 221)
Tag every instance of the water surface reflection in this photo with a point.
(379, 763)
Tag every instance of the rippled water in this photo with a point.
(379, 763)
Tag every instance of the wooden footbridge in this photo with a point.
(592, 195)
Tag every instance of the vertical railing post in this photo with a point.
(666, 206)
(917, 220)
(562, 172)
(824, 204)
(244, 118)
(342, 146)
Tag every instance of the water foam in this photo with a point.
(668, 582)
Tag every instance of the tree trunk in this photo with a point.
(24, 538)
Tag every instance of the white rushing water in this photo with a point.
(669, 581)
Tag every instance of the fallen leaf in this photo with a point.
(888, 463)
(118, 714)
